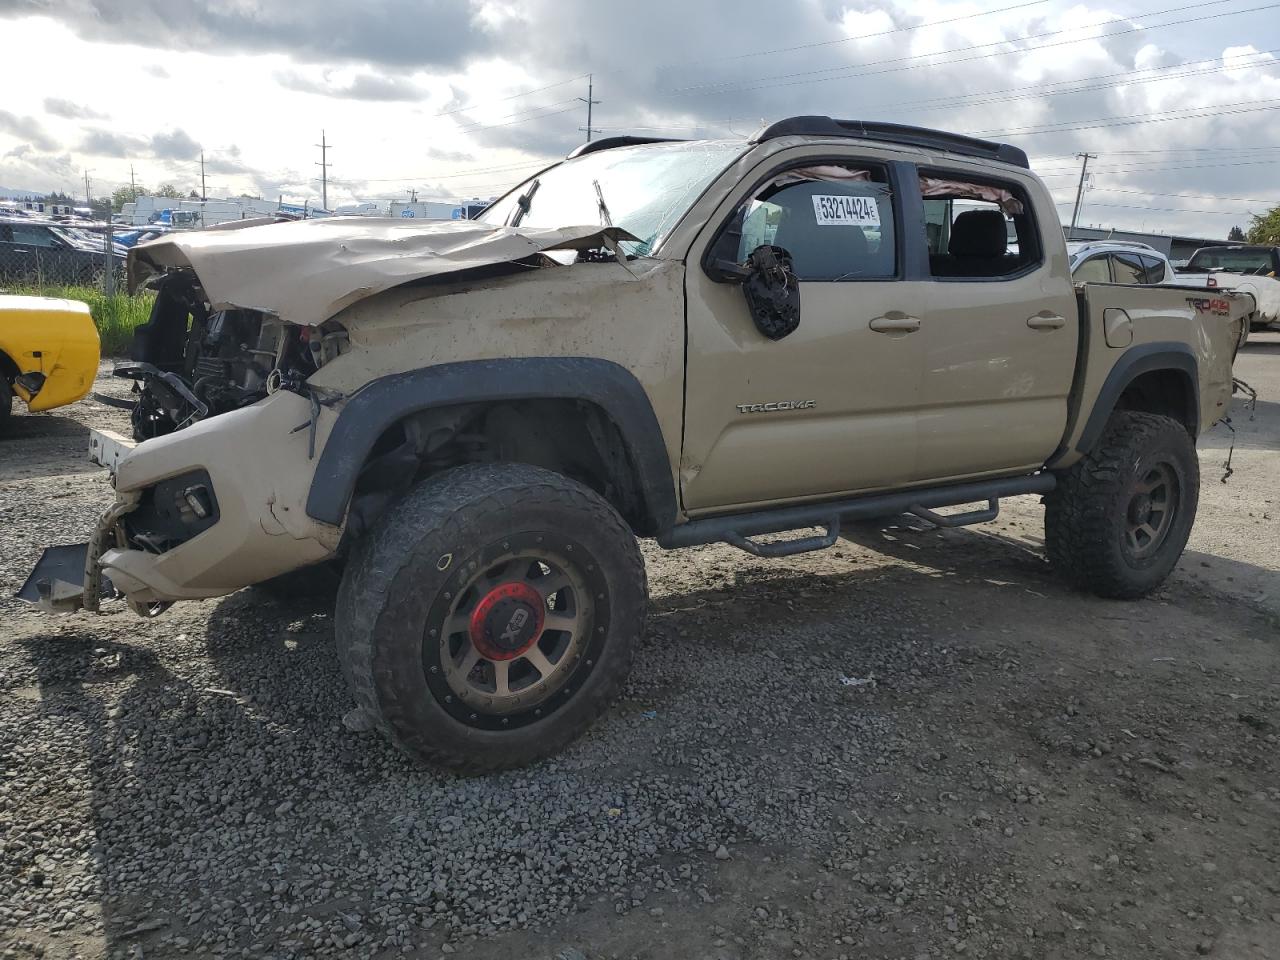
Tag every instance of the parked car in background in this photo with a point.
(41, 251)
(1246, 269)
(48, 352)
(1118, 261)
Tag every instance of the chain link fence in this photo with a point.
(46, 256)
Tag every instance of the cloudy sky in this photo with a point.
(1180, 100)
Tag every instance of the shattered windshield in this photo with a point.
(646, 188)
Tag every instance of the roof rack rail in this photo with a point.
(894, 133)
(608, 143)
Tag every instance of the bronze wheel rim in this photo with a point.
(1149, 515)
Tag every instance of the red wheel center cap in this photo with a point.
(507, 621)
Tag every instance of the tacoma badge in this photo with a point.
(775, 406)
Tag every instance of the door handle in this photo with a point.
(1040, 322)
(895, 324)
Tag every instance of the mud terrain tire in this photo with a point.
(1120, 517)
(469, 569)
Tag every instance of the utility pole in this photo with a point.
(324, 146)
(1075, 213)
(133, 183)
(590, 102)
(88, 201)
(203, 195)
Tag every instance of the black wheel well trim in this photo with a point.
(1136, 361)
(387, 400)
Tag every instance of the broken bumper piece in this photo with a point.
(57, 583)
(198, 513)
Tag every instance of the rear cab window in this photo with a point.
(836, 220)
(1257, 262)
(977, 229)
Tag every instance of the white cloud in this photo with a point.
(444, 113)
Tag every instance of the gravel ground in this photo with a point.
(917, 744)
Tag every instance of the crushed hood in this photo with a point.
(307, 271)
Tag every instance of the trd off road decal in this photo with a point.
(1212, 305)
(831, 211)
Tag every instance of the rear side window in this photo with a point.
(1155, 269)
(1128, 268)
(977, 229)
(836, 221)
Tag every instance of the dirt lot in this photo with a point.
(917, 744)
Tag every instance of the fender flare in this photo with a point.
(1144, 358)
(383, 402)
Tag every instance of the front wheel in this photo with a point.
(490, 616)
(1120, 517)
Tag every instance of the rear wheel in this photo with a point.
(6, 398)
(1120, 517)
(490, 616)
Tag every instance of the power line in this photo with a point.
(1032, 91)
(861, 36)
(520, 113)
(816, 76)
(448, 176)
(514, 96)
(1186, 196)
(1142, 168)
(1121, 206)
(1135, 119)
(756, 53)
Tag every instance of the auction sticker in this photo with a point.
(846, 211)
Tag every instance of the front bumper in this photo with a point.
(259, 465)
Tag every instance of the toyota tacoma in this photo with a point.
(691, 341)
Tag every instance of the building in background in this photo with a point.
(1176, 247)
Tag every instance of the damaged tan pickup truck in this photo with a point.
(698, 342)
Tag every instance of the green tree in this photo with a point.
(1236, 235)
(1265, 228)
(124, 195)
(170, 191)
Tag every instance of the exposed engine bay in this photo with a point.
(189, 362)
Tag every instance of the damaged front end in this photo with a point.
(190, 362)
(228, 426)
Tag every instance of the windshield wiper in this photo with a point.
(605, 218)
(523, 204)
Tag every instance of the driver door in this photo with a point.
(831, 407)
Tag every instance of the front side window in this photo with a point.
(977, 229)
(835, 220)
(33, 236)
(643, 189)
(1093, 270)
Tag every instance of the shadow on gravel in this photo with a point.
(24, 426)
(69, 667)
(972, 553)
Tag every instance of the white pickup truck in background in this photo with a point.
(1246, 269)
